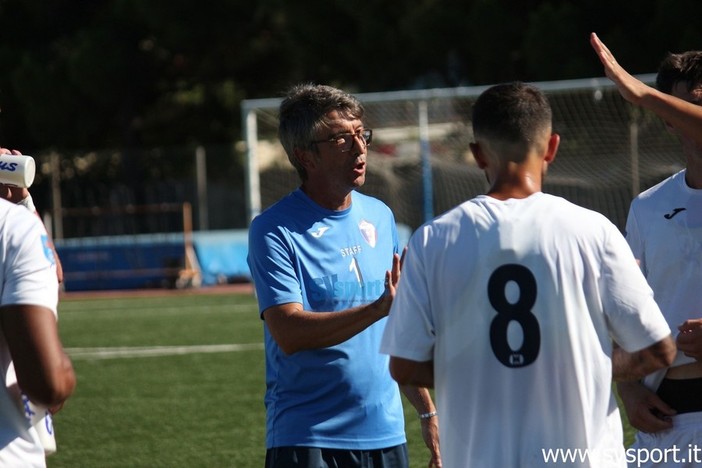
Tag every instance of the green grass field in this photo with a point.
(161, 384)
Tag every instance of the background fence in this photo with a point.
(420, 163)
(110, 192)
(99, 203)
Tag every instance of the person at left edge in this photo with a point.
(39, 416)
(35, 365)
(325, 263)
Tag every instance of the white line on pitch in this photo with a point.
(130, 352)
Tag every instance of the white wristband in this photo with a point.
(428, 415)
(28, 203)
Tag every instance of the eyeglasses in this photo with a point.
(344, 141)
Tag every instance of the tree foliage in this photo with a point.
(134, 73)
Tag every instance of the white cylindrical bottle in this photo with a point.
(43, 423)
(17, 170)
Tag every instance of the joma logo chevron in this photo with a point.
(675, 211)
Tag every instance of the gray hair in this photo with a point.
(303, 114)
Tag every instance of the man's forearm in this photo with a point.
(419, 397)
(633, 366)
(408, 372)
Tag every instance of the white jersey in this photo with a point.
(517, 302)
(664, 230)
(27, 276)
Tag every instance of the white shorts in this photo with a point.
(677, 447)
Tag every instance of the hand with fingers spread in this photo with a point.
(682, 114)
(629, 87)
(392, 278)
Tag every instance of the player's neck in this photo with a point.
(693, 174)
(517, 181)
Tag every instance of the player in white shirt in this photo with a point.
(34, 366)
(508, 305)
(664, 230)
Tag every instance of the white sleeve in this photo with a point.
(633, 236)
(28, 263)
(634, 317)
(409, 332)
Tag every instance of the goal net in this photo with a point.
(420, 163)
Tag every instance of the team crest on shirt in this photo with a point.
(48, 251)
(369, 233)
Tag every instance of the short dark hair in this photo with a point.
(685, 67)
(511, 112)
(303, 113)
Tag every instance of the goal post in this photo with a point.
(420, 163)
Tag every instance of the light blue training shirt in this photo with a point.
(342, 396)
